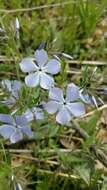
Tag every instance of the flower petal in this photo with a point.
(63, 116)
(27, 65)
(41, 57)
(72, 93)
(16, 136)
(77, 109)
(6, 131)
(32, 80)
(41, 46)
(52, 107)
(34, 113)
(53, 67)
(37, 113)
(26, 130)
(46, 81)
(6, 118)
(29, 115)
(9, 102)
(21, 120)
(56, 94)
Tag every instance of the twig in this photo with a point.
(5, 59)
(90, 63)
(7, 73)
(37, 7)
(74, 72)
(36, 159)
(94, 111)
(60, 174)
(27, 151)
(72, 62)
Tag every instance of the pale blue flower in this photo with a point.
(65, 107)
(14, 129)
(40, 70)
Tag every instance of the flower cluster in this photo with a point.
(40, 71)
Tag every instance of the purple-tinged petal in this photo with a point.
(77, 109)
(41, 46)
(26, 130)
(6, 118)
(9, 102)
(37, 113)
(34, 113)
(16, 136)
(52, 107)
(16, 85)
(27, 65)
(32, 80)
(46, 81)
(53, 67)
(29, 115)
(41, 57)
(63, 116)
(72, 93)
(15, 94)
(56, 94)
(21, 120)
(6, 131)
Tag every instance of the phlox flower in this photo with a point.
(14, 129)
(65, 107)
(40, 70)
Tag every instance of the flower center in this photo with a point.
(64, 102)
(40, 69)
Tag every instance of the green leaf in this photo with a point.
(90, 126)
(84, 173)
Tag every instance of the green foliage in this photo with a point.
(65, 28)
(91, 124)
(5, 176)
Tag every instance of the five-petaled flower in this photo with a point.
(65, 108)
(39, 70)
(14, 129)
